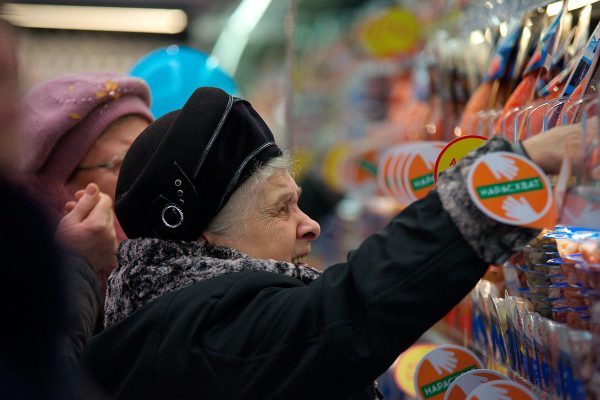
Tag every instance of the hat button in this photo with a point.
(172, 216)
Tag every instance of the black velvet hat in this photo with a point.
(182, 169)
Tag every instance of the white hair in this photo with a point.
(229, 222)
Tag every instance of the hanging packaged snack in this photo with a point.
(480, 339)
(499, 353)
(580, 78)
(590, 250)
(552, 330)
(530, 349)
(542, 353)
(576, 363)
(565, 270)
(594, 384)
(535, 70)
(514, 274)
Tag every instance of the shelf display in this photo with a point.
(517, 69)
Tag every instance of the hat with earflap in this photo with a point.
(181, 170)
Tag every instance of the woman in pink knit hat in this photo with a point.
(77, 129)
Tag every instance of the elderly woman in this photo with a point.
(212, 298)
(77, 129)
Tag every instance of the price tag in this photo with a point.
(406, 365)
(455, 151)
(502, 390)
(440, 367)
(469, 381)
(511, 189)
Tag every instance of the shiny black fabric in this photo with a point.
(183, 167)
(261, 335)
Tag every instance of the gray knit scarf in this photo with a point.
(150, 268)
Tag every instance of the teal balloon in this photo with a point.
(174, 72)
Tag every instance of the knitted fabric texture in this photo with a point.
(493, 241)
(63, 117)
(150, 268)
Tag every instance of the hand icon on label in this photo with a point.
(519, 210)
(497, 393)
(429, 154)
(442, 360)
(468, 382)
(501, 166)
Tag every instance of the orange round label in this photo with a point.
(366, 165)
(502, 390)
(469, 381)
(406, 365)
(383, 174)
(418, 173)
(440, 367)
(455, 151)
(397, 179)
(510, 188)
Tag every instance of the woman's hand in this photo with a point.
(547, 149)
(88, 228)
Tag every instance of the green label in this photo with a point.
(507, 188)
(441, 385)
(367, 166)
(422, 181)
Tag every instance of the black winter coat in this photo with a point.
(260, 335)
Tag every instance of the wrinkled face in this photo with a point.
(277, 229)
(110, 147)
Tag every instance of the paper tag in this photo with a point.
(455, 151)
(469, 381)
(511, 189)
(406, 365)
(440, 367)
(502, 390)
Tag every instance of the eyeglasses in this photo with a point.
(114, 164)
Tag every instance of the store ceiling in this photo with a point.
(194, 7)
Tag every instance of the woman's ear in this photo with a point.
(208, 237)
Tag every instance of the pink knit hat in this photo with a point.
(62, 119)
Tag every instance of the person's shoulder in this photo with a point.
(230, 285)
